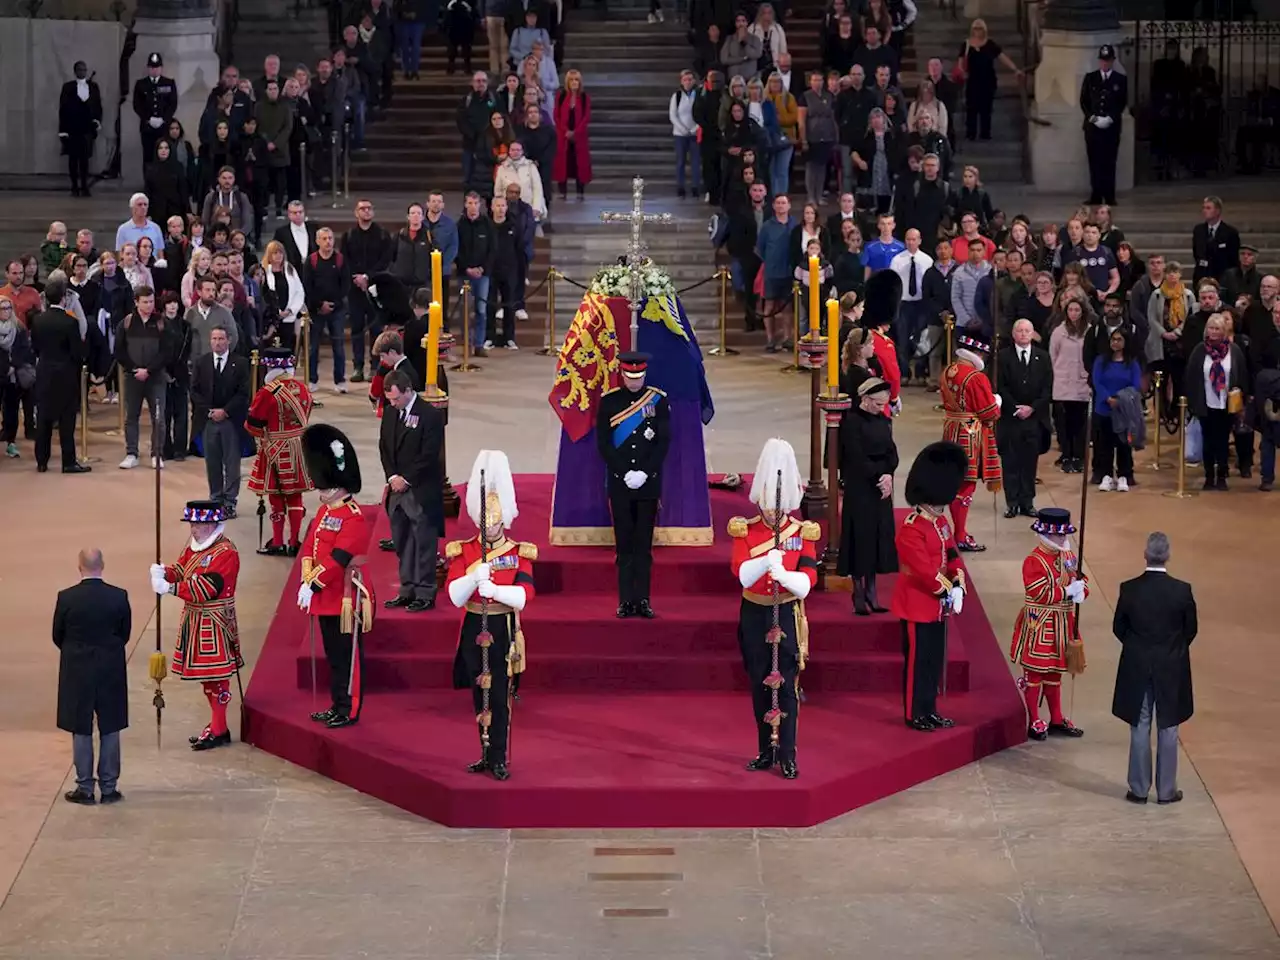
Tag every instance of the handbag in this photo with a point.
(1235, 401)
(26, 376)
(960, 72)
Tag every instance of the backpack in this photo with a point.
(314, 258)
(946, 189)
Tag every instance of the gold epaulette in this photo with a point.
(911, 517)
(810, 531)
(738, 527)
(453, 549)
(528, 551)
(661, 393)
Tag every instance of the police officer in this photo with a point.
(155, 101)
(1104, 95)
(632, 432)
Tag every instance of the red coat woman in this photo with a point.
(573, 143)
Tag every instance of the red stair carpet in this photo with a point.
(629, 723)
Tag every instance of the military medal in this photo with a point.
(648, 433)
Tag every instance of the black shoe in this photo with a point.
(229, 511)
(339, 720)
(626, 610)
(1266, 486)
(970, 545)
(1011, 512)
(420, 606)
(1061, 462)
(1220, 485)
(872, 601)
(762, 762)
(1028, 511)
(1176, 798)
(112, 796)
(42, 468)
(923, 724)
(642, 609)
(79, 796)
(1034, 734)
(681, 193)
(293, 549)
(1065, 729)
(480, 766)
(499, 771)
(941, 722)
(1133, 797)
(387, 544)
(789, 770)
(273, 550)
(1208, 485)
(177, 458)
(212, 741)
(1246, 473)
(860, 608)
(395, 602)
(85, 468)
(357, 377)
(322, 716)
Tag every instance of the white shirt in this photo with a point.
(1156, 570)
(299, 231)
(901, 265)
(1024, 354)
(1212, 399)
(82, 92)
(756, 112)
(219, 362)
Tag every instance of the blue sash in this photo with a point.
(629, 420)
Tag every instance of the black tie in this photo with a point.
(218, 365)
(912, 287)
(1026, 357)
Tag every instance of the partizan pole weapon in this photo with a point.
(774, 637)
(157, 665)
(484, 639)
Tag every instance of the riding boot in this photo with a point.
(860, 607)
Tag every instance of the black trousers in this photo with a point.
(1102, 148)
(1110, 454)
(78, 151)
(346, 668)
(502, 294)
(9, 412)
(633, 523)
(176, 422)
(924, 653)
(1216, 428)
(1073, 419)
(1019, 455)
(467, 668)
(59, 411)
(978, 102)
(754, 623)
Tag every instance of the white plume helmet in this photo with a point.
(777, 455)
(497, 479)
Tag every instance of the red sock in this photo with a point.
(1032, 695)
(219, 694)
(1053, 694)
(296, 514)
(207, 689)
(960, 511)
(277, 518)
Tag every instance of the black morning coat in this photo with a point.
(1155, 621)
(91, 626)
(644, 450)
(411, 449)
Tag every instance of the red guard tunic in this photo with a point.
(969, 420)
(887, 354)
(339, 534)
(208, 640)
(277, 417)
(929, 567)
(1047, 619)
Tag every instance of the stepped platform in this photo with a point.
(629, 723)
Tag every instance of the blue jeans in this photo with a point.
(740, 283)
(409, 37)
(356, 116)
(688, 148)
(479, 309)
(1267, 452)
(333, 324)
(780, 170)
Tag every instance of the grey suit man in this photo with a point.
(409, 445)
(91, 626)
(219, 403)
(1155, 621)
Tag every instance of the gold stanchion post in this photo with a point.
(304, 343)
(84, 416)
(1159, 378)
(1182, 493)
(794, 366)
(466, 366)
(120, 385)
(549, 349)
(723, 349)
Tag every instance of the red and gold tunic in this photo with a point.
(928, 567)
(754, 538)
(339, 535)
(970, 420)
(208, 640)
(277, 417)
(510, 564)
(887, 354)
(1047, 619)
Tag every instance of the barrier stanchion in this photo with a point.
(794, 365)
(304, 344)
(84, 457)
(1159, 379)
(333, 168)
(302, 169)
(723, 349)
(948, 326)
(466, 366)
(549, 350)
(346, 161)
(1182, 493)
(120, 400)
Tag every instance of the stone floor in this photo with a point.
(1031, 853)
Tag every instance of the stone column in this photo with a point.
(184, 34)
(1073, 32)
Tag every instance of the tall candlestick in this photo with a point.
(814, 284)
(437, 277)
(833, 347)
(435, 323)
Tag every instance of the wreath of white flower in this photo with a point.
(615, 281)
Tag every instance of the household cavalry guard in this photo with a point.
(971, 410)
(332, 590)
(277, 417)
(208, 647)
(491, 577)
(1044, 643)
(775, 559)
(931, 583)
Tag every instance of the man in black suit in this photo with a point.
(298, 236)
(1104, 96)
(1215, 244)
(59, 349)
(155, 101)
(219, 403)
(740, 242)
(1026, 387)
(409, 444)
(79, 120)
(1155, 622)
(91, 627)
(633, 433)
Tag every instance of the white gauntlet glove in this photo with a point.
(1075, 590)
(634, 479)
(486, 589)
(753, 570)
(481, 573)
(160, 586)
(460, 590)
(156, 123)
(999, 402)
(304, 597)
(1102, 123)
(957, 600)
(794, 582)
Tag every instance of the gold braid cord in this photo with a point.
(773, 681)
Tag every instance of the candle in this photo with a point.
(437, 277)
(814, 283)
(435, 324)
(833, 347)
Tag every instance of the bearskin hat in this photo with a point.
(936, 475)
(330, 457)
(881, 297)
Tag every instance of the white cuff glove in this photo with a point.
(794, 582)
(460, 590)
(999, 402)
(1102, 123)
(1075, 590)
(753, 570)
(62, 135)
(513, 596)
(160, 586)
(957, 600)
(304, 597)
(481, 573)
(155, 122)
(635, 479)
(157, 571)
(486, 589)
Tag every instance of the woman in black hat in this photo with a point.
(868, 460)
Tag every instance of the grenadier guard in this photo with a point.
(208, 648)
(491, 577)
(931, 583)
(633, 432)
(331, 589)
(971, 411)
(1044, 643)
(775, 559)
(155, 101)
(277, 417)
(883, 297)
(1104, 97)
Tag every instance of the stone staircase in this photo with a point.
(295, 32)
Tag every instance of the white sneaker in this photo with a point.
(497, 314)
(157, 464)
(660, 19)
(522, 315)
(1122, 485)
(488, 344)
(339, 388)
(113, 398)
(511, 345)
(1107, 485)
(129, 462)
(653, 18)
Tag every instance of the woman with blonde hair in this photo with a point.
(736, 91)
(1070, 383)
(858, 361)
(773, 39)
(573, 138)
(283, 298)
(201, 266)
(927, 102)
(784, 148)
(976, 67)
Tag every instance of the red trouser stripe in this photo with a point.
(909, 693)
(355, 685)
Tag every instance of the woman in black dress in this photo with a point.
(868, 459)
(977, 63)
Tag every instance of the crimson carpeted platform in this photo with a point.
(629, 723)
